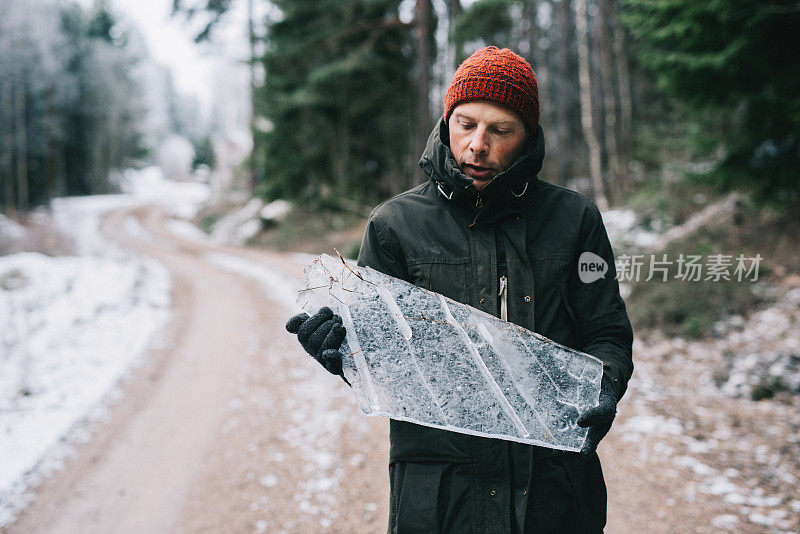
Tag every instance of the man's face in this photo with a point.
(485, 139)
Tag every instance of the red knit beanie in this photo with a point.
(499, 76)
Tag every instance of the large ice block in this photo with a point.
(415, 355)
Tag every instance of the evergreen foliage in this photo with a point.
(734, 61)
(488, 21)
(203, 153)
(339, 99)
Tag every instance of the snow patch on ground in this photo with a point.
(763, 356)
(238, 227)
(690, 406)
(625, 233)
(320, 406)
(651, 425)
(10, 230)
(79, 217)
(726, 522)
(71, 326)
(689, 409)
(148, 185)
(68, 332)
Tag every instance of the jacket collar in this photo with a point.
(506, 195)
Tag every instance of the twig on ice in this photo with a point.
(351, 291)
(358, 275)
(423, 318)
(312, 288)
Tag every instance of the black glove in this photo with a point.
(599, 418)
(321, 335)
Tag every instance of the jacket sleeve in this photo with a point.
(380, 248)
(604, 329)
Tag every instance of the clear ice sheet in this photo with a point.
(415, 355)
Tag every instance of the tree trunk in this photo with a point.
(96, 159)
(115, 144)
(342, 154)
(563, 91)
(22, 145)
(625, 100)
(536, 56)
(458, 43)
(587, 122)
(422, 34)
(251, 33)
(608, 71)
(50, 150)
(7, 146)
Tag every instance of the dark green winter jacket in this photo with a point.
(444, 236)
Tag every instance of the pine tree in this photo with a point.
(487, 21)
(734, 60)
(339, 99)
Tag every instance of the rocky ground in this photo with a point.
(692, 451)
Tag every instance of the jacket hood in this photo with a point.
(505, 195)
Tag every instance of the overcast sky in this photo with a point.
(169, 40)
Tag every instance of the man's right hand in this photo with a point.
(321, 335)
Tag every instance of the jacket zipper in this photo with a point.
(503, 294)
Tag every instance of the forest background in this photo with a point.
(344, 94)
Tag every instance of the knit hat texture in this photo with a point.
(498, 76)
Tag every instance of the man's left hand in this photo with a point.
(599, 418)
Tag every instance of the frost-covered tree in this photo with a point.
(69, 109)
(33, 90)
(105, 122)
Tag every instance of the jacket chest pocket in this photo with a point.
(448, 277)
(554, 315)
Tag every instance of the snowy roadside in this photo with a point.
(716, 420)
(689, 412)
(71, 327)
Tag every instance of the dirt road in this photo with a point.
(228, 426)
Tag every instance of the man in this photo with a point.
(483, 230)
